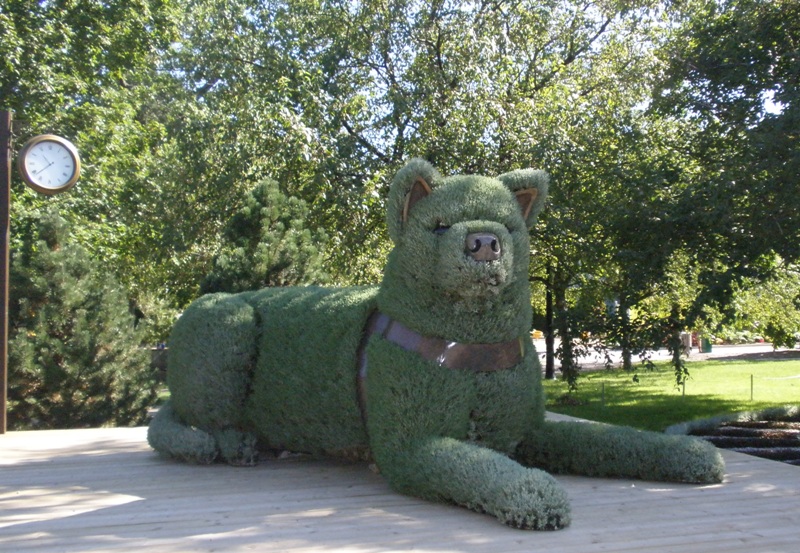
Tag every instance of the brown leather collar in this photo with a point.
(453, 355)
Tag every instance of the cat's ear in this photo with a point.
(413, 183)
(530, 187)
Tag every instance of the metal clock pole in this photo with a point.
(61, 172)
(5, 208)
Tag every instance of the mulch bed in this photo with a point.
(776, 440)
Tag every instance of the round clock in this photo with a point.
(49, 164)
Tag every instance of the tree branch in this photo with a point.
(365, 143)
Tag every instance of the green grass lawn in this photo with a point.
(654, 402)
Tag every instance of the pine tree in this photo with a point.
(74, 357)
(267, 244)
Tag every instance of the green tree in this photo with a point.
(74, 357)
(60, 55)
(266, 244)
(180, 107)
(339, 94)
(735, 75)
(770, 308)
(709, 185)
(86, 70)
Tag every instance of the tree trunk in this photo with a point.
(569, 367)
(549, 330)
(675, 345)
(625, 315)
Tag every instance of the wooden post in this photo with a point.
(5, 220)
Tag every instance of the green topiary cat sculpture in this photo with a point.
(431, 373)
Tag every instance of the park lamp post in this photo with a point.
(50, 165)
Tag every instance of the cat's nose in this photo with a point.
(483, 246)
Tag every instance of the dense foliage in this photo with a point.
(734, 77)
(74, 356)
(669, 129)
(266, 244)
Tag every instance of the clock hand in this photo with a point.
(39, 172)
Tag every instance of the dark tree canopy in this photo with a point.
(735, 74)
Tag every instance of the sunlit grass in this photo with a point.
(654, 402)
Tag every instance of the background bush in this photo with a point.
(266, 243)
(75, 358)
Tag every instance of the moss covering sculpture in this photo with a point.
(431, 372)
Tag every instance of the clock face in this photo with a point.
(49, 164)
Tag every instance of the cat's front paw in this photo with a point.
(238, 448)
(535, 501)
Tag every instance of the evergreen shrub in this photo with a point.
(266, 243)
(75, 359)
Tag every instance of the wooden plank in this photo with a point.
(105, 490)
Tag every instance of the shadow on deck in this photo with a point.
(106, 490)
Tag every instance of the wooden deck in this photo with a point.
(106, 490)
